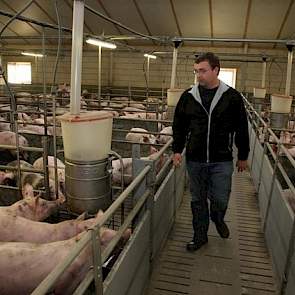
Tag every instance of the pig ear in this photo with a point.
(37, 200)
(81, 216)
(145, 139)
(27, 191)
(153, 150)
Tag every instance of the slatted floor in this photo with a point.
(238, 265)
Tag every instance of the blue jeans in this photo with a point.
(209, 181)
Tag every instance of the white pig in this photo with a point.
(17, 260)
(32, 208)
(141, 137)
(19, 229)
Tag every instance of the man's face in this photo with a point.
(206, 76)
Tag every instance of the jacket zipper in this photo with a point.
(208, 132)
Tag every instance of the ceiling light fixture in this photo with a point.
(104, 44)
(32, 54)
(150, 56)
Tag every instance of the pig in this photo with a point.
(19, 229)
(40, 259)
(131, 116)
(117, 171)
(34, 129)
(38, 164)
(131, 109)
(32, 208)
(292, 151)
(23, 117)
(33, 183)
(164, 137)
(139, 106)
(290, 198)
(127, 167)
(9, 177)
(141, 137)
(9, 138)
(111, 111)
(4, 126)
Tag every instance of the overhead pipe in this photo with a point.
(205, 39)
(289, 69)
(76, 63)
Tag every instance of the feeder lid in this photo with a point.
(281, 96)
(86, 116)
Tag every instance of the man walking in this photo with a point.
(208, 118)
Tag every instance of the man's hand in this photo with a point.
(242, 165)
(177, 158)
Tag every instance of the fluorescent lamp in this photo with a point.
(32, 54)
(150, 56)
(97, 42)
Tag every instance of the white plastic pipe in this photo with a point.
(76, 63)
(99, 75)
(148, 73)
(289, 71)
(263, 74)
(111, 69)
(174, 63)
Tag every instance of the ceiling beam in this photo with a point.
(14, 32)
(71, 8)
(247, 19)
(175, 18)
(211, 20)
(108, 14)
(247, 25)
(45, 12)
(12, 9)
(284, 20)
(142, 18)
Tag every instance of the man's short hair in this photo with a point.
(211, 58)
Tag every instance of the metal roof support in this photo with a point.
(174, 63)
(263, 71)
(289, 68)
(76, 61)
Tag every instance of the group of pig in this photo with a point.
(32, 183)
(30, 249)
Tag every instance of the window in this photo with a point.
(228, 76)
(19, 72)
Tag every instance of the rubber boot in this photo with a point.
(200, 225)
(218, 218)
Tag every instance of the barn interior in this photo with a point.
(88, 91)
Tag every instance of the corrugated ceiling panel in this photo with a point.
(266, 18)
(159, 17)
(193, 17)
(225, 14)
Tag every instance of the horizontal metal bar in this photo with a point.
(163, 149)
(107, 251)
(85, 283)
(56, 273)
(163, 169)
(110, 247)
(234, 40)
(111, 210)
(22, 148)
(21, 169)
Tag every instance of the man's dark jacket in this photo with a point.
(209, 136)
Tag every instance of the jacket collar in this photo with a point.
(221, 89)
